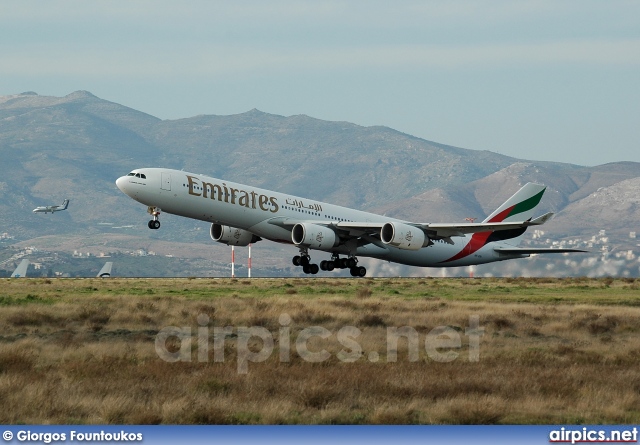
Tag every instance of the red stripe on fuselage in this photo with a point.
(478, 240)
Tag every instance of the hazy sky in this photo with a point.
(543, 80)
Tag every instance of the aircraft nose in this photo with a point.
(121, 183)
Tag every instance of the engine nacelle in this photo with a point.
(314, 236)
(403, 236)
(232, 236)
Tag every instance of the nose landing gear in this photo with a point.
(155, 222)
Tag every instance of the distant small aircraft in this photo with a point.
(21, 270)
(51, 209)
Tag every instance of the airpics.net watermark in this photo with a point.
(441, 344)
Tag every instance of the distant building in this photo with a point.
(632, 235)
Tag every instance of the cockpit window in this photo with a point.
(138, 175)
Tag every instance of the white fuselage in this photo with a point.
(49, 209)
(250, 208)
(52, 209)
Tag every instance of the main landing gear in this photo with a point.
(155, 222)
(304, 261)
(336, 262)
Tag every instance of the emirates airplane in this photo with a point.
(240, 214)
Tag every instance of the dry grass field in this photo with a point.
(552, 351)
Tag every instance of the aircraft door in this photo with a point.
(166, 181)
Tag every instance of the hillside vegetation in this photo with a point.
(76, 147)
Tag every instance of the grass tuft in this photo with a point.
(372, 320)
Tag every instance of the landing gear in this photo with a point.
(304, 260)
(155, 222)
(350, 263)
(311, 269)
(327, 265)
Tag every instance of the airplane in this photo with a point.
(241, 214)
(21, 270)
(51, 209)
(105, 272)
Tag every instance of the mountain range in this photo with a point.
(76, 146)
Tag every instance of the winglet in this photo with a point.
(541, 219)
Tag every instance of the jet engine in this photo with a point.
(232, 236)
(314, 236)
(403, 236)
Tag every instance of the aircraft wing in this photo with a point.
(442, 231)
(447, 230)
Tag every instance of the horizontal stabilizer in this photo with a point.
(526, 251)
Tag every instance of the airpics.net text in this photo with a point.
(441, 344)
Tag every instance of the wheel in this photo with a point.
(330, 266)
(353, 271)
(304, 260)
(313, 268)
(323, 265)
(361, 271)
(296, 260)
(155, 224)
(149, 224)
(343, 263)
(306, 268)
(351, 263)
